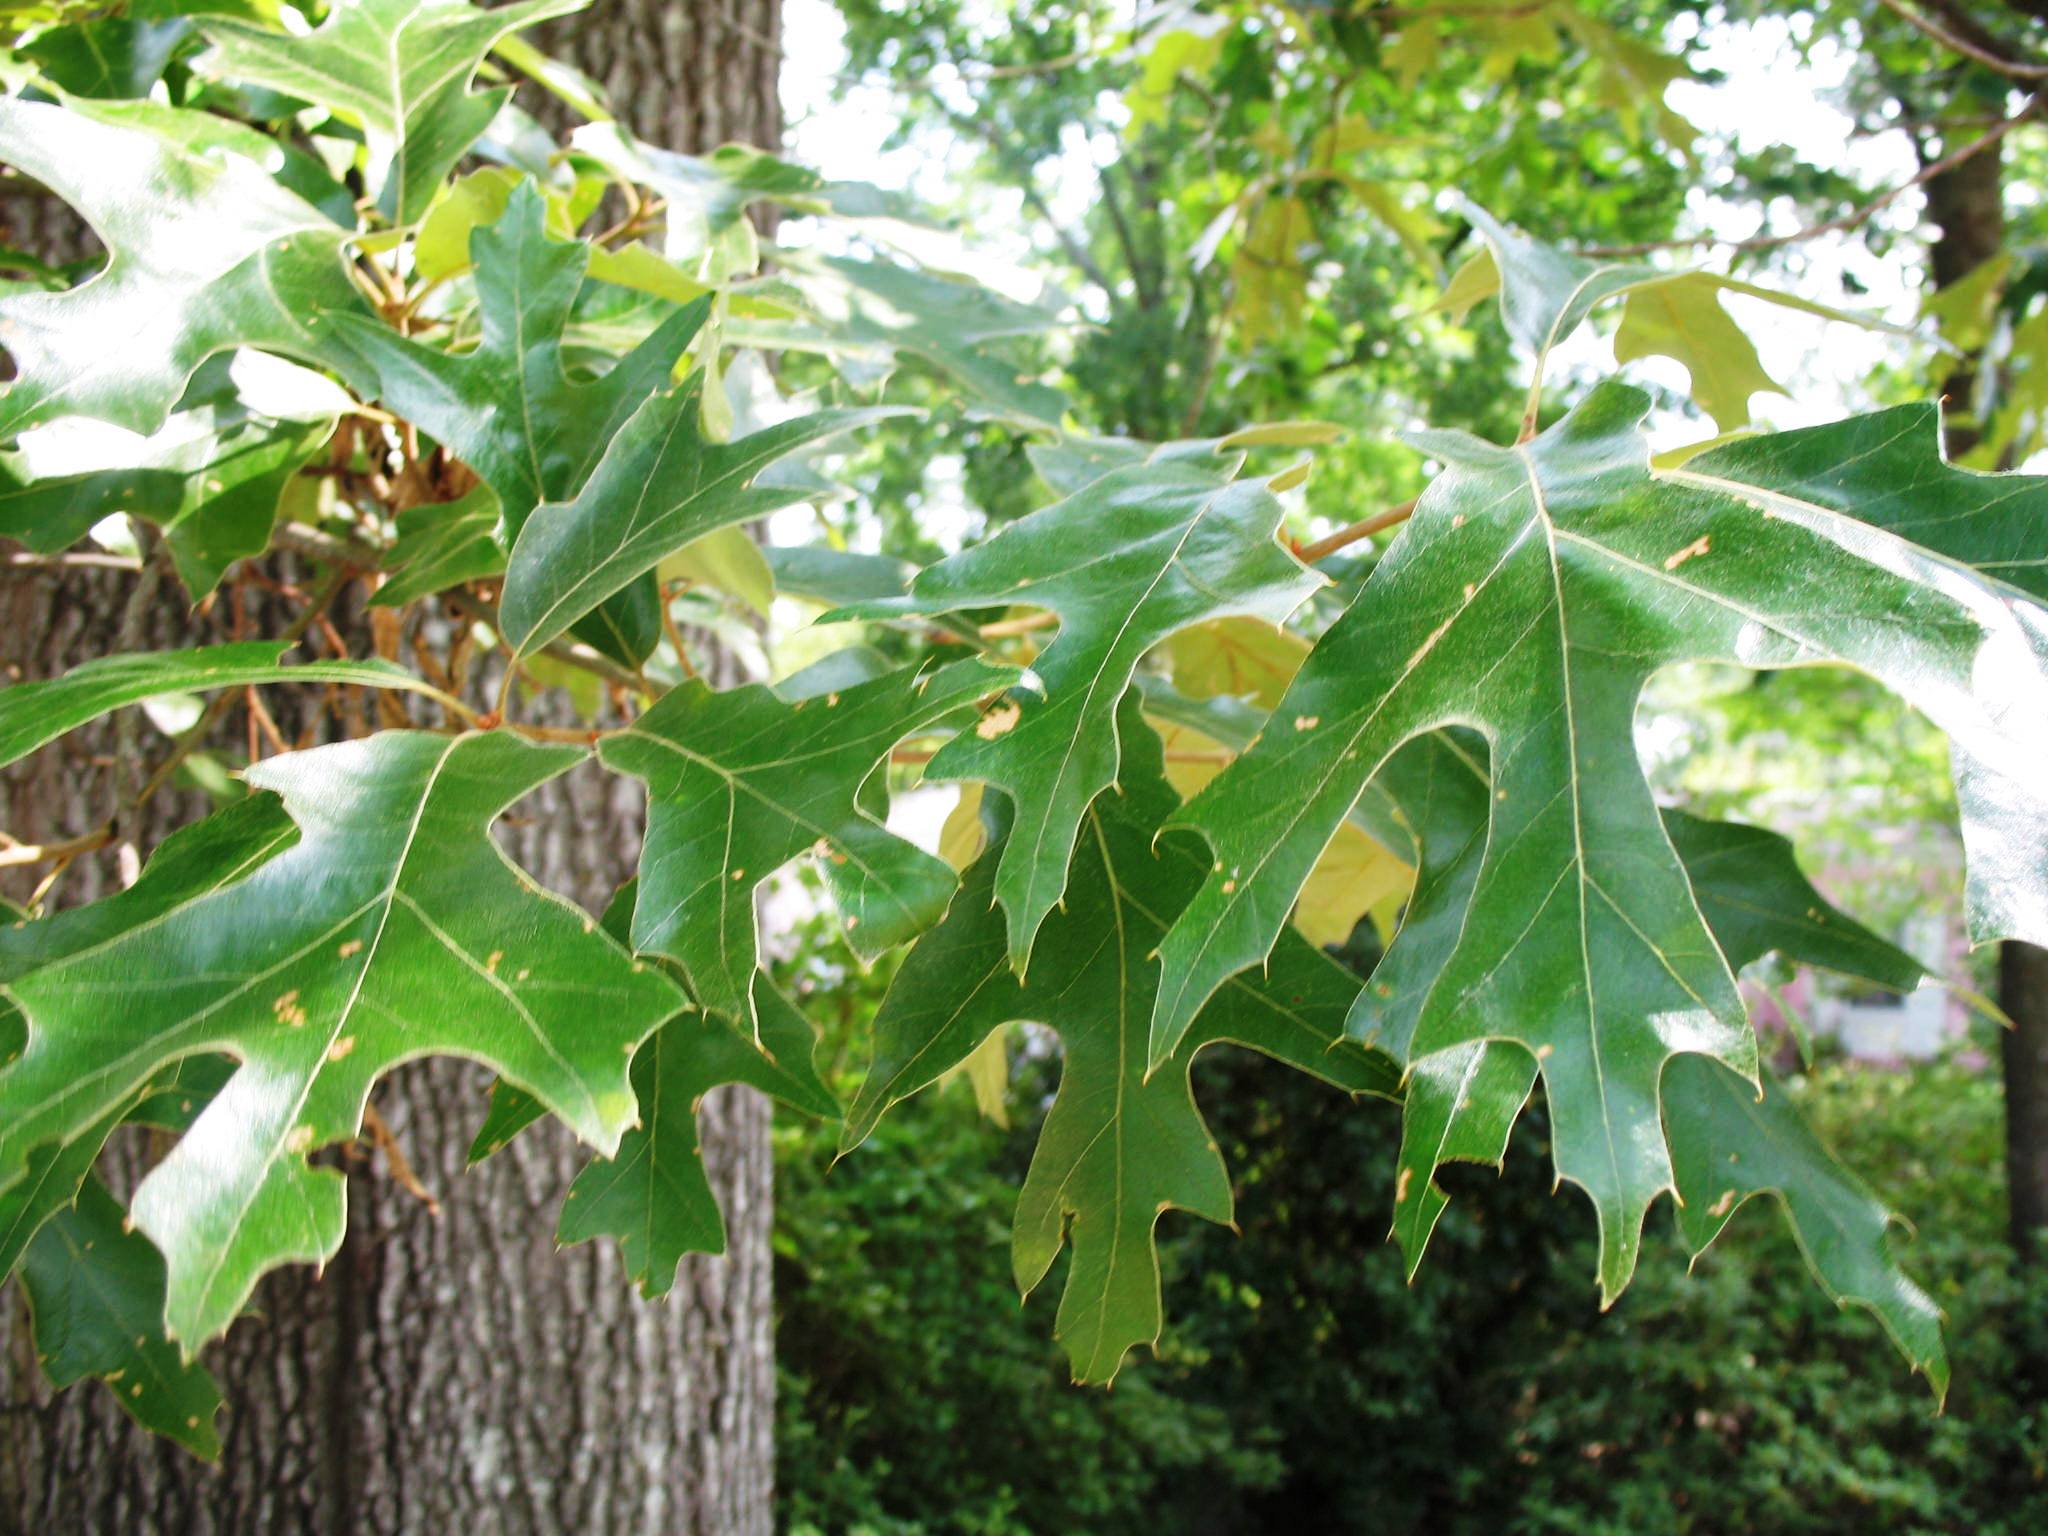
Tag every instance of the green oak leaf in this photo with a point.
(1125, 561)
(1886, 469)
(510, 409)
(208, 253)
(194, 860)
(785, 1069)
(1463, 1102)
(1119, 1146)
(442, 545)
(393, 928)
(398, 69)
(96, 1298)
(884, 309)
(211, 480)
(1430, 805)
(1533, 593)
(821, 574)
(653, 1196)
(660, 487)
(1730, 1142)
(113, 56)
(742, 781)
(34, 714)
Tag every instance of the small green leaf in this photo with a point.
(659, 488)
(1120, 1146)
(115, 56)
(708, 195)
(1730, 1141)
(653, 1196)
(442, 545)
(742, 781)
(33, 714)
(96, 1293)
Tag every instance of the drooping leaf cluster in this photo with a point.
(357, 304)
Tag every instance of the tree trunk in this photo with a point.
(451, 1373)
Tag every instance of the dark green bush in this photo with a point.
(1304, 1386)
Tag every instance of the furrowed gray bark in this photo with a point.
(451, 1372)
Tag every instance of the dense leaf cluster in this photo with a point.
(354, 306)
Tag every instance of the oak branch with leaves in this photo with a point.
(358, 306)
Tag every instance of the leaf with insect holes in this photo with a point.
(400, 70)
(392, 928)
(1531, 596)
(1119, 1147)
(742, 781)
(1125, 561)
(207, 253)
(96, 1301)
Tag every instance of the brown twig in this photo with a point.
(1002, 629)
(395, 1161)
(575, 653)
(71, 560)
(14, 854)
(1365, 528)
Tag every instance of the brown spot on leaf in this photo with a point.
(999, 721)
(1692, 551)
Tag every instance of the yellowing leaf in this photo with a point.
(729, 560)
(636, 266)
(963, 836)
(1965, 310)
(1682, 318)
(1245, 658)
(1171, 53)
(1272, 278)
(1476, 280)
(988, 1072)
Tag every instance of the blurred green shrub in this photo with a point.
(1302, 1386)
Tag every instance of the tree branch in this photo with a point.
(1844, 222)
(1365, 528)
(1982, 47)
